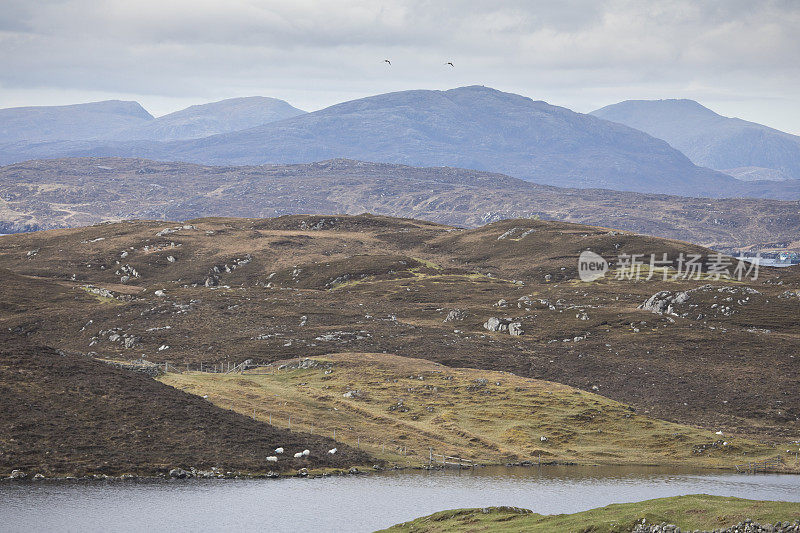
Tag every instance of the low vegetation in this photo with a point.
(75, 192)
(712, 354)
(68, 415)
(405, 409)
(690, 513)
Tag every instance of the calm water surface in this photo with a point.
(364, 503)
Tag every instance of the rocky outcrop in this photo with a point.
(179, 473)
(515, 329)
(747, 526)
(504, 325)
(497, 324)
(678, 303)
(664, 302)
(455, 315)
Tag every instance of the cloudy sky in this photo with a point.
(738, 57)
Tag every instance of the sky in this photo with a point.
(740, 58)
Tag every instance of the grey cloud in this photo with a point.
(575, 48)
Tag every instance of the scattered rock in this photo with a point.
(507, 325)
(515, 328)
(497, 324)
(455, 315)
(179, 473)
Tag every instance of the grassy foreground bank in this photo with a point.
(399, 409)
(688, 512)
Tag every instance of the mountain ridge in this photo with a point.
(710, 139)
(74, 192)
(87, 121)
(115, 121)
(469, 127)
(202, 120)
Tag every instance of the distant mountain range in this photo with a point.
(745, 150)
(470, 127)
(78, 192)
(77, 122)
(115, 120)
(210, 119)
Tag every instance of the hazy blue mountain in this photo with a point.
(210, 119)
(746, 149)
(757, 174)
(471, 127)
(70, 122)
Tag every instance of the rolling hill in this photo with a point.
(746, 150)
(75, 192)
(225, 290)
(68, 414)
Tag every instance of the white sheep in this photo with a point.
(298, 455)
(272, 459)
(278, 450)
(306, 453)
(333, 451)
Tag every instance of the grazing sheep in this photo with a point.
(278, 450)
(272, 459)
(306, 453)
(333, 451)
(298, 455)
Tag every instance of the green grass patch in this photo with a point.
(699, 511)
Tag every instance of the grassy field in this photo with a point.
(687, 512)
(400, 409)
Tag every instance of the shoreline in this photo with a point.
(192, 473)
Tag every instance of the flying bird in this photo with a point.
(387, 61)
(450, 63)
